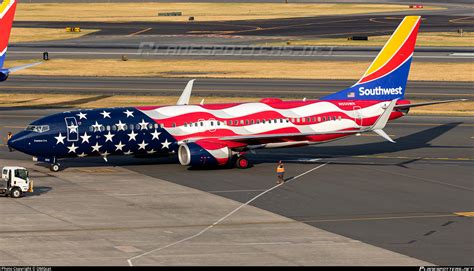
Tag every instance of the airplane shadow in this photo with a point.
(417, 140)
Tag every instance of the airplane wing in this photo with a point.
(377, 128)
(403, 106)
(17, 68)
(186, 95)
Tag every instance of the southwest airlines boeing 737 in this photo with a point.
(7, 12)
(220, 134)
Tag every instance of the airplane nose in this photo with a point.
(17, 142)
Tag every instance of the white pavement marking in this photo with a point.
(224, 217)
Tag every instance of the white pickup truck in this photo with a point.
(15, 182)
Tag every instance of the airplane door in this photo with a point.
(357, 115)
(72, 129)
(212, 125)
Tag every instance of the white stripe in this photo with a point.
(245, 109)
(3, 52)
(7, 8)
(223, 218)
(262, 128)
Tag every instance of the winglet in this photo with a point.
(186, 95)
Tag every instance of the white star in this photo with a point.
(108, 137)
(119, 146)
(121, 126)
(155, 135)
(72, 128)
(97, 126)
(60, 138)
(82, 155)
(128, 113)
(142, 145)
(96, 147)
(105, 154)
(151, 152)
(128, 152)
(72, 148)
(166, 144)
(143, 124)
(82, 115)
(105, 114)
(85, 138)
(132, 135)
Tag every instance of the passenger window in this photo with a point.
(324, 118)
(137, 127)
(202, 123)
(114, 128)
(308, 119)
(212, 123)
(319, 119)
(173, 125)
(150, 126)
(102, 128)
(339, 117)
(258, 121)
(251, 121)
(91, 129)
(108, 127)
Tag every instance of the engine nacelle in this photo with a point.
(204, 154)
(3, 76)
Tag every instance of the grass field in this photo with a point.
(96, 101)
(423, 39)
(288, 69)
(121, 12)
(43, 34)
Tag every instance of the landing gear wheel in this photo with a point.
(16, 193)
(55, 167)
(242, 162)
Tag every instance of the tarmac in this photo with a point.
(211, 87)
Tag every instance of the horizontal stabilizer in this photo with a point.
(22, 67)
(428, 103)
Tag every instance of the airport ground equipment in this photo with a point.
(15, 182)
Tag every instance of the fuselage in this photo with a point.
(161, 129)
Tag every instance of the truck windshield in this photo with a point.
(21, 173)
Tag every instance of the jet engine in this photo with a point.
(204, 154)
(3, 76)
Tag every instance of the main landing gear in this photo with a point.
(242, 162)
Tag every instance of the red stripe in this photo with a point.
(5, 26)
(400, 56)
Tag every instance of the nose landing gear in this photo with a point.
(55, 167)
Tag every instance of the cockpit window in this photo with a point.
(38, 128)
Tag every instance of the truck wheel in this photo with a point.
(16, 193)
(54, 167)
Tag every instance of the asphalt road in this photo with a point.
(206, 87)
(402, 197)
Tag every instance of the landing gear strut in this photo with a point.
(242, 162)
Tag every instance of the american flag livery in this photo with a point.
(7, 12)
(218, 134)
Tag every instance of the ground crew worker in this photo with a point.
(280, 172)
(9, 135)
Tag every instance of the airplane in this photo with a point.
(7, 12)
(204, 135)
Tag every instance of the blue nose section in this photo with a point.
(18, 142)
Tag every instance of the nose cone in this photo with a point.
(18, 142)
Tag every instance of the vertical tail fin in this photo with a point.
(387, 76)
(7, 12)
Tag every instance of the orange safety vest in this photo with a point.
(280, 169)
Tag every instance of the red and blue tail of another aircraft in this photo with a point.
(7, 13)
(387, 76)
